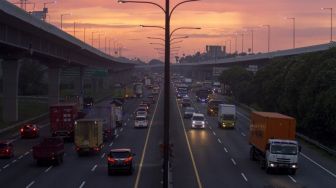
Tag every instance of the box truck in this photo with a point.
(62, 118)
(227, 115)
(272, 140)
(88, 135)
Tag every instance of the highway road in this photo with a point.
(212, 157)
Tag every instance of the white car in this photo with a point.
(198, 121)
(140, 121)
(141, 113)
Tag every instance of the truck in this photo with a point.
(88, 135)
(147, 81)
(129, 92)
(212, 109)
(117, 112)
(227, 115)
(188, 82)
(272, 140)
(216, 87)
(62, 118)
(118, 92)
(138, 89)
(105, 112)
(49, 149)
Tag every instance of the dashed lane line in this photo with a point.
(244, 176)
(213, 132)
(26, 153)
(103, 155)
(6, 166)
(219, 140)
(233, 161)
(48, 169)
(94, 168)
(31, 183)
(14, 161)
(111, 144)
(243, 134)
(21, 156)
(292, 178)
(226, 150)
(82, 184)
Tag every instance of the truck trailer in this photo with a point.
(272, 140)
(88, 135)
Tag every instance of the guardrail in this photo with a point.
(298, 135)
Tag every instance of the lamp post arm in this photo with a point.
(144, 2)
(177, 5)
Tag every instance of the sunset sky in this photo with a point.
(217, 18)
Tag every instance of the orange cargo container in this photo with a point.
(269, 125)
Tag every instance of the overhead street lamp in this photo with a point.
(62, 15)
(168, 14)
(51, 2)
(331, 22)
(155, 43)
(155, 38)
(293, 19)
(268, 36)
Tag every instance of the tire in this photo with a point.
(252, 154)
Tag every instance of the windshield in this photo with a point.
(198, 118)
(140, 118)
(284, 149)
(120, 154)
(190, 110)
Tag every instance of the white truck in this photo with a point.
(188, 81)
(227, 115)
(138, 89)
(147, 81)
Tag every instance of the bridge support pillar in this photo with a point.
(54, 84)
(94, 85)
(10, 83)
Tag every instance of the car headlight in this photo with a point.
(272, 165)
(203, 123)
(193, 122)
(294, 166)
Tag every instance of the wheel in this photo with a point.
(252, 154)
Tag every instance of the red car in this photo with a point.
(120, 160)
(29, 131)
(6, 150)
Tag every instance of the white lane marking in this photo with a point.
(21, 156)
(190, 151)
(6, 166)
(31, 183)
(248, 119)
(47, 170)
(117, 135)
(136, 184)
(213, 132)
(111, 144)
(311, 160)
(14, 161)
(94, 168)
(103, 155)
(26, 153)
(210, 127)
(292, 178)
(219, 140)
(121, 129)
(233, 161)
(125, 124)
(225, 150)
(82, 184)
(244, 176)
(243, 134)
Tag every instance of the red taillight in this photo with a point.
(21, 130)
(7, 150)
(128, 160)
(34, 129)
(111, 160)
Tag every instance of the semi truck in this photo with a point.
(272, 140)
(227, 115)
(88, 135)
(62, 118)
(50, 149)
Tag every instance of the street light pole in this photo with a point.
(62, 19)
(293, 18)
(269, 37)
(331, 22)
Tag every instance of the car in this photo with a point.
(141, 113)
(6, 149)
(88, 102)
(186, 102)
(145, 106)
(140, 121)
(151, 98)
(142, 109)
(29, 131)
(198, 121)
(188, 112)
(147, 101)
(120, 160)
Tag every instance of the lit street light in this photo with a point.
(331, 22)
(293, 19)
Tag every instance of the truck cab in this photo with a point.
(226, 115)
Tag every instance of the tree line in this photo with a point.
(302, 86)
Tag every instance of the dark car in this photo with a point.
(188, 112)
(29, 131)
(120, 160)
(88, 102)
(186, 102)
(151, 98)
(6, 150)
